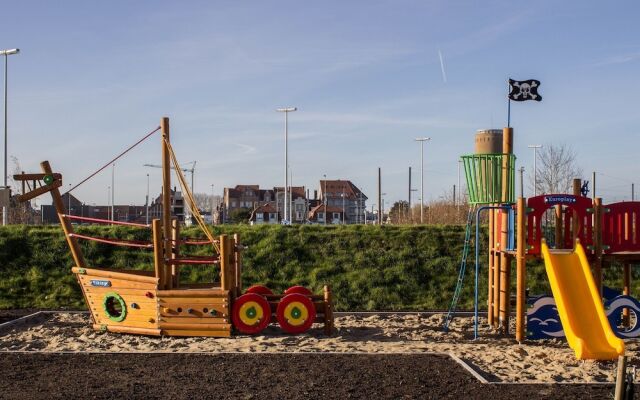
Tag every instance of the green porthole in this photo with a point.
(114, 307)
(48, 179)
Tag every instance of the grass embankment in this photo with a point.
(368, 267)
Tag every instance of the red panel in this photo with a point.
(542, 203)
(620, 226)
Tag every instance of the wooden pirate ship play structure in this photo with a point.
(156, 302)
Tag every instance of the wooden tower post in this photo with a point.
(166, 201)
(505, 261)
(495, 254)
(521, 270)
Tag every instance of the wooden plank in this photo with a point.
(158, 251)
(194, 320)
(173, 301)
(40, 191)
(132, 313)
(197, 312)
(123, 291)
(128, 329)
(193, 293)
(128, 322)
(105, 273)
(211, 333)
(142, 301)
(188, 326)
(37, 177)
(116, 284)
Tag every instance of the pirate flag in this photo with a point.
(524, 90)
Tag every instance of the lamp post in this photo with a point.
(324, 197)
(146, 202)
(212, 204)
(113, 189)
(535, 148)
(286, 112)
(6, 54)
(422, 140)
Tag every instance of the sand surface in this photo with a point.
(500, 359)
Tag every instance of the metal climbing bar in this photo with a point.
(461, 272)
(118, 242)
(104, 221)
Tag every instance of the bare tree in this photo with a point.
(206, 201)
(556, 168)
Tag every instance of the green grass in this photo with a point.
(368, 267)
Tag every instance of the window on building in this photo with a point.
(336, 215)
(259, 216)
(298, 215)
(320, 216)
(272, 216)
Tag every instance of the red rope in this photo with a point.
(120, 242)
(195, 260)
(193, 241)
(111, 162)
(105, 221)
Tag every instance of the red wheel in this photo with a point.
(259, 289)
(298, 289)
(295, 313)
(251, 313)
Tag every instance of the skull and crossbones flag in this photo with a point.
(524, 90)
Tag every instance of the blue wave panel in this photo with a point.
(543, 321)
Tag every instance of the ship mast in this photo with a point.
(166, 200)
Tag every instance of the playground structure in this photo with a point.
(157, 302)
(516, 232)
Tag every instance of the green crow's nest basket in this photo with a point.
(484, 174)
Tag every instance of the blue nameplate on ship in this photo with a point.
(560, 199)
(100, 283)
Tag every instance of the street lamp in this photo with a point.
(286, 112)
(146, 203)
(6, 54)
(422, 140)
(535, 148)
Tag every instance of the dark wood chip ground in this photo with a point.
(259, 376)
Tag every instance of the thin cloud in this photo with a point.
(246, 149)
(618, 59)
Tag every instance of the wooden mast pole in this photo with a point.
(505, 264)
(166, 203)
(495, 254)
(76, 252)
(521, 270)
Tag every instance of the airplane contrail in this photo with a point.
(444, 74)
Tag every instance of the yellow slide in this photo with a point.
(581, 311)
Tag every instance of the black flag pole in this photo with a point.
(509, 110)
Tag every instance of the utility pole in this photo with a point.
(633, 197)
(422, 140)
(113, 189)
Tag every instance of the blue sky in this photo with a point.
(93, 77)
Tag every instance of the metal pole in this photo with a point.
(69, 200)
(113, 189)
(146, 203)
(422, 182)
(324, 195)
(409, 210)
(286, 164)
(343, 210)
(633, 197)
(286, 112)
(379, 196)
(4, 208)
(594, 184)
(521, 181)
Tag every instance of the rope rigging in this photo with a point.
(111, 162)
(189, 196)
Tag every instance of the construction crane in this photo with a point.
(191, 170)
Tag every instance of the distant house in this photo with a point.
(298, 202)
(245, 196)
(320, 213)
(264, 214)
(346, 196)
